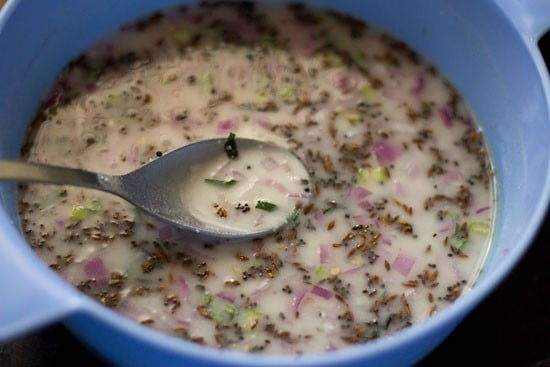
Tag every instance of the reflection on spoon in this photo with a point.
(224, 188)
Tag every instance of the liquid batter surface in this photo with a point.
(402, 188)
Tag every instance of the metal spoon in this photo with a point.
(156, 187)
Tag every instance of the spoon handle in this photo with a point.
(43, 173)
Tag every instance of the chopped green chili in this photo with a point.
(266, 205)
(329, 209)
(225, 183)
(230, 146)
(293, 217)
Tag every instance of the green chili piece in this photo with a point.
(226, 183)
(266, 205)
(230, 146)
(293, 217)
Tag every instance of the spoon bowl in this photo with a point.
(159, 187)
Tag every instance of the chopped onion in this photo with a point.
(61, 223)
(257, 246)
(266, 124)
(228, 125)
(365, 205)
(297, 195)
(276, 185)
(324, 254)
(226, 296)
(400, 189)
(361, 218)
(133, 154)
(53, 99)
(482, 209)
(321, 292)
(385, 152)
(344, 83)
(418, 86)
(182, 286)
(95, 268)
(358, 192)
(354, 270)
(403, 263)
(183, 322)
(265, 285)
(452, 176)
(269, 163)
(459, 275)
(297, 299)
(235, 174)
(319, 217)
(446, 116)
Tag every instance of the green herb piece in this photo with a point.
(216, 315)
(460, 237)
(230, 310)
(380, 174)
(249, 319)
(319, 273)
(363, 176)
(217, 309)
(81, 212)
(169, 76)
(352, 117)
(230, 146)
(479, 228)
(94, 205)
(366, 90)
(224, 183)
(206, 299)
(265, 205)
(329, 209)
(359, 58)
(293, 217)
(288, 94)
(366, 176)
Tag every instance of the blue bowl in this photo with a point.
(487, 48)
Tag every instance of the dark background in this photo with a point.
(510, 328)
